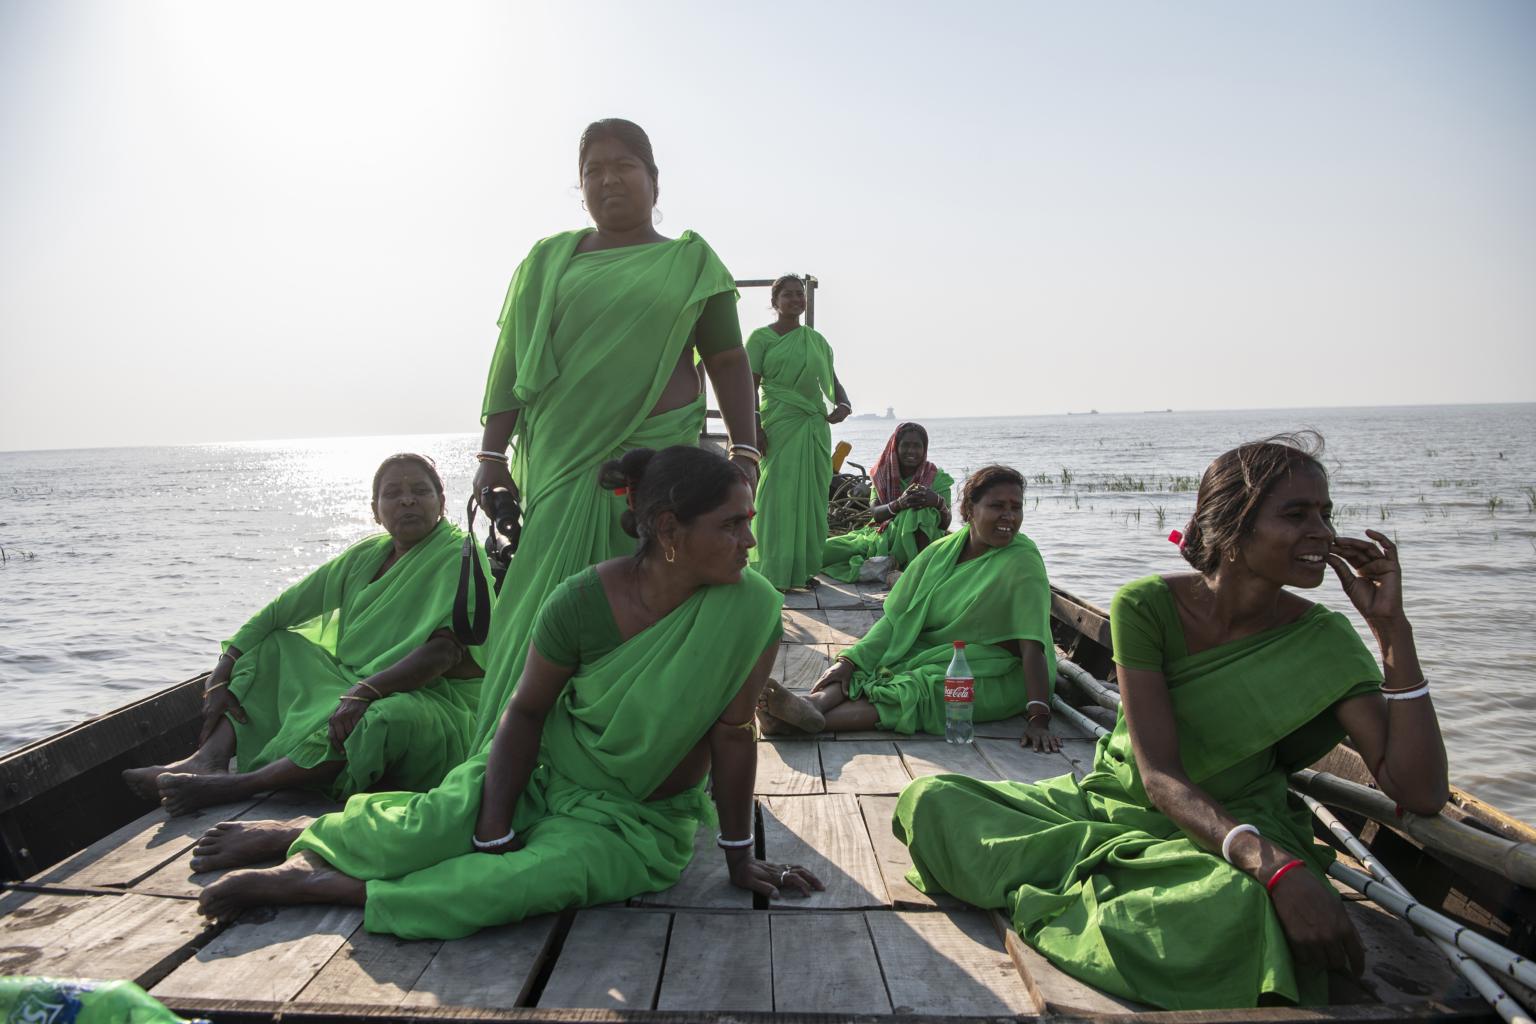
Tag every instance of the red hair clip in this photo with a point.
(621, 491)
(1175, 537)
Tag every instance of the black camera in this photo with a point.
(505, 531)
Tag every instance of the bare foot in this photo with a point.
(770, 726)
(233, 844)
(792, 708)
(183, 794)
(304, 878)
(145, 782)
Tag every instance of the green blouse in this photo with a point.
(576, 624)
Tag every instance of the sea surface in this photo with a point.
(123, 567)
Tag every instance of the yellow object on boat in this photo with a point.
(839, 454)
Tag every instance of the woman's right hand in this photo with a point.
(1315, 924)
(838, 673)
(218, 702)
(491, 475)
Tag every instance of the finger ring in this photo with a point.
(783, 875)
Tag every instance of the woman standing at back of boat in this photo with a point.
(792, 364)
(1175, 873)
(596, 356)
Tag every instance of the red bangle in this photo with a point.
(1285, 869)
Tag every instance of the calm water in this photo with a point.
(127, 566)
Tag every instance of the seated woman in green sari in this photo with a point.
(985, 585)
(911, 508)
(792, 364)
(639, 684)
(1175, 872)
(603, 333)
(351, 677)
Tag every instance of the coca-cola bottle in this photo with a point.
(959, 697)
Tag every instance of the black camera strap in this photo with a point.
(471, 578)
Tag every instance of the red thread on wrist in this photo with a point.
(1285, 869)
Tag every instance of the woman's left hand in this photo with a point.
(1038, 736)
(1371, 575)
(839, 413)
(770, 879)
(344, 719)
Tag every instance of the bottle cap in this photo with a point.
(959, 644)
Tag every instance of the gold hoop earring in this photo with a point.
(671, 554)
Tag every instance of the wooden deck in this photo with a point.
(869, 944)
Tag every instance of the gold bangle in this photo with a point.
(376, 694)
(207, 690)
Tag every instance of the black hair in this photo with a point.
(627, 134)
(1233, 487)
(685, 480)
(778, 286)
(420, 460)
(982, 481)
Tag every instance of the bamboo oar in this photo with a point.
(1463, 938)
(1087, 685)
(1514, 861)
(1490, 990)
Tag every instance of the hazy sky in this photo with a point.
(225, 221)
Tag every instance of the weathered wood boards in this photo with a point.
(101, 936)
(268, 955)
(825, 834)
(611, 960)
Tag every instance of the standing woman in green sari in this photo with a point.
(792, 364)
(911, 508)
(985, 585)
(350, 677)
(602, 333)
(1176, 872)
(638, 686)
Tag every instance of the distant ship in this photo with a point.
(890, 414)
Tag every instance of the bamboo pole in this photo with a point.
(1087, 685)
(1486, 986)
(1075, 716)
(1503, 960)
(1514, 861)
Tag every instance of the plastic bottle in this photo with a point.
(959, 697)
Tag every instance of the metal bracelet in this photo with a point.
(489, 844)
(734, 844)
(1226, 842)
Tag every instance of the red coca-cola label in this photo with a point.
(960, 691)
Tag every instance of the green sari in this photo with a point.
(619, 728)
(998, 596)
(339, 625)
(841, 556)
(588, 343)
(791, 524)
(1106, 886)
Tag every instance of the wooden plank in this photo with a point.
(139, 848)
(803, 600)
(873, 595)
(1002, 729)
(1080, 753)
(265, 955)
(806, 627)
(1084, 618)
(787, 768)
(176, 878)
(825, 834)
(940, 758)
(834, 594)
(705, 882)
(825, 963)
(718, 962)
(894, 859)
(862, 768)
(848, 626)
(128, 936)
(1402, 966)
(1052, 990)
(370, 970)
(611, 961)
(948, 963)
(800, 665)
(1018, 764)
(491, 969)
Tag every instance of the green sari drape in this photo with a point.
(841, 556)
(1107, 887)
(791, 524)
(588, 343)
(339, 625)
(620, 727)
(999, 596)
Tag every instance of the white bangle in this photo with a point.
(1041, 703)
(734, 844)
(488, 844)
(491, 456)
(1226, 844)
(1412, 693)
